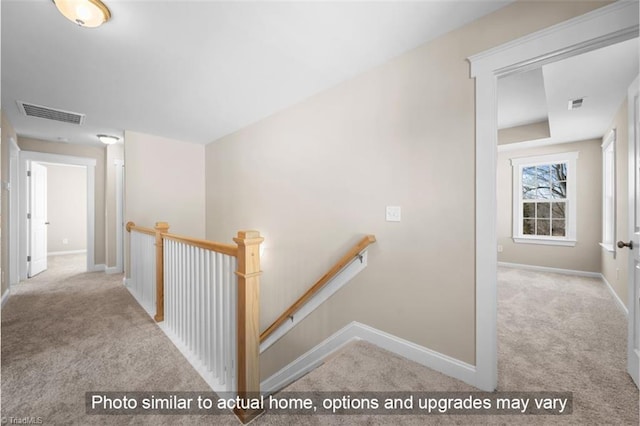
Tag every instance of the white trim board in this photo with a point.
(607, 25)
(5, 296)
(112, 270)
(196, 363)
(336, 283)
(549, 269)
(615, 296)
(62, 253)
(358, 331)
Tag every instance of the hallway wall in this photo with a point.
(66, 208)
(317, 176)
(585, 256)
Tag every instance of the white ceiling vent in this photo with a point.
(39, 111)
(575, 103)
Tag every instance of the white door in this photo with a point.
(38, 219)
(633, 342)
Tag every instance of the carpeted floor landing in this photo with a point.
(66, 332)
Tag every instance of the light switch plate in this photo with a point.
(394, 213)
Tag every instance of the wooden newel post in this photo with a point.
(248, 320)
(160, 228)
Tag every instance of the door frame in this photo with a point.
(14, 214)
(633, 296)
(25, 158)
(119, 176)
(602, 27)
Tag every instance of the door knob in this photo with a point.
(622, 244)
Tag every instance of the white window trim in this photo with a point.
(517, 164)
(608, 143)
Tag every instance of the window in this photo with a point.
(544, 199)
(609, 192)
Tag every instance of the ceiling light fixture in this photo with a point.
(108, 139)
(86, 13)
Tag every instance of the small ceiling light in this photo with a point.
(108, 139)
(86, 13)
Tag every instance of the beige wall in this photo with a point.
(7, 133)
(527, 132)
(585, 256)
(614, 269)
(66, 208)
(114, 152)
(96, 152)
(315, 177)
(164, 182)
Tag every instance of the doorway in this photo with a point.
(603, 27)
(65, 230)
(87, 167)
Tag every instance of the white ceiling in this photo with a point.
(199, 70)
(521, 99)
(601, 76)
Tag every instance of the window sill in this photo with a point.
(545, 241)
(608, 247)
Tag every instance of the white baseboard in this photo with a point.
(548, 269)
(615, 296)
(195, 362)
(99, 267)
(330, 288)
(112, 270)
(62, 253)
(357, 331)
(310, 360)
(5, 297)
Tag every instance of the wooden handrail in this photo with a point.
(247, 253)
(335, 269)
(133, 227)
(228, 249)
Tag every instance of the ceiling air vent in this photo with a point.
(31, 110)
(575, 103)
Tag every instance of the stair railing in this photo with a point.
(351, 255)
(206, 300)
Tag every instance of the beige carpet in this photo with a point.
(65, 333)
(557, 333)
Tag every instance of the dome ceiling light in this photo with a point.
(86, 13)
(108, 139)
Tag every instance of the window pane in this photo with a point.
(529, 210)
(529, 183)
(543, 173)
(543, 227)
(544, 192)
(543, 210)
(559, 172)
(529, 176)
(529, 192)
(560, 189)
(558, 228)
(557, 210)
(528, 227)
